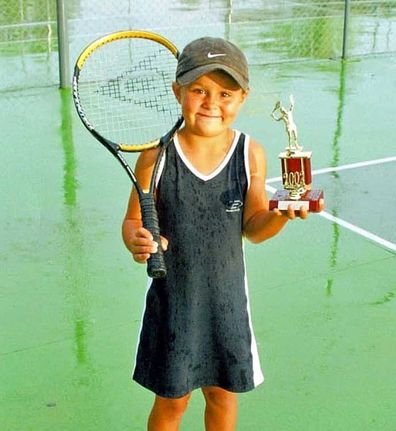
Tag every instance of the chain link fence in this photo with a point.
(267, 31)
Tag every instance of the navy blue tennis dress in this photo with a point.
(196, 329)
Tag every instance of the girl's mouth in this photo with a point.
(209, 116)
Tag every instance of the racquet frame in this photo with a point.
(155, 266)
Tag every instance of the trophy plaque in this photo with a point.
(296, 169)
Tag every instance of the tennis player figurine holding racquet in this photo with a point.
(196, 330)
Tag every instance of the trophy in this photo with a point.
(296, 169)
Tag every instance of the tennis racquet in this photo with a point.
(122, 89)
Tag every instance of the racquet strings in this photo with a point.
(125, 90)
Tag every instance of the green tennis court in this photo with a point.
(323, 292)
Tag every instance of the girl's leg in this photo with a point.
(221, 409)
(167, 413)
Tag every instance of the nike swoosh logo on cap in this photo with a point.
(210, 55)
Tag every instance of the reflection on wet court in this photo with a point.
(323, 293)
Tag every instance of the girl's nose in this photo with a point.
(210, 99)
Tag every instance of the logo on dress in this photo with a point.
(234, 206)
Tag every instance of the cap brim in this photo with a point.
(192, 75)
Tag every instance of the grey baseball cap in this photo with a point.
(207, 54)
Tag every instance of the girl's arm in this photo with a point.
(259, 223)
(137, 239)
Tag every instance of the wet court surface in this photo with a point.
(323, 296)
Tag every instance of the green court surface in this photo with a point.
(323, 292)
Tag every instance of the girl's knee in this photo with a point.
(219, 397)
(172, 407)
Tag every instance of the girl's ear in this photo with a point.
(245, 94)
(176, 90)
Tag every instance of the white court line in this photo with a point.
(366, 234)
(343, 168)
(387, 244)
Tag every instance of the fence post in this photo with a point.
(347, 10)
(63, 44)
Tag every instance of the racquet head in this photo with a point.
(122, 89)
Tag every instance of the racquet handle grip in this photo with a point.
(155, 265)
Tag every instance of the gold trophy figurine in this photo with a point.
(291, 128)
(296, 168)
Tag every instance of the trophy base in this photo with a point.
(309, 200)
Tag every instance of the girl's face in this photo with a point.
(210, 104)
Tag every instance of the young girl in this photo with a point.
(196, 330)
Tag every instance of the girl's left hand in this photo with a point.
(302, 213)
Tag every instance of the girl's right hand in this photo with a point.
(141, 244)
